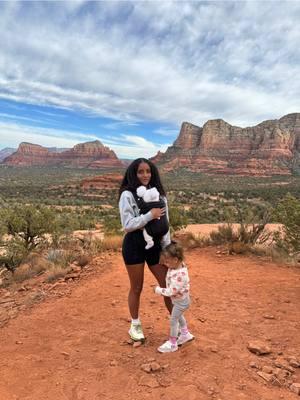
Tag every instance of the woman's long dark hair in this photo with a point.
(131, 182)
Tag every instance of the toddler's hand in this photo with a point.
(157, 290)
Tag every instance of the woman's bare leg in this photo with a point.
(160, 272)
(136, 278)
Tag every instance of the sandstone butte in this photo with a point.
(269, 148)
(83, 155)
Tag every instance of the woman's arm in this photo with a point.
(129, 219)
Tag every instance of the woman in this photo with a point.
(141, 172)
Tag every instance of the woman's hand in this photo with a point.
(158, 212)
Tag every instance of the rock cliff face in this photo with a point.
(270, 148)
(83, 155)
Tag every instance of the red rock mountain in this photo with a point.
(83, 155)
(269, 148)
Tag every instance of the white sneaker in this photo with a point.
(136, 332)
(184, 338)
(168, 347)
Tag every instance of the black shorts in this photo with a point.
(134, 252)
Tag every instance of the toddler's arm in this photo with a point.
(179, 284)
(172, 290)
(163, 291)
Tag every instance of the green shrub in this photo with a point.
(112, 224)
(224, 234)
(287, 213)
(13, 253)
(178, 218)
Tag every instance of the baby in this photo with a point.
(146, 200)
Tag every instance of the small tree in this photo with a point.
(27, 228)
(248, 232)
(28, 224)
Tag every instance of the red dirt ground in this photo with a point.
(74, 346)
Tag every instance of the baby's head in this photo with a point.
(172, 255)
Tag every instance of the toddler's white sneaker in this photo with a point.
(168, 347)
(184, 338)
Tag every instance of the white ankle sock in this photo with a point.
(135, 321)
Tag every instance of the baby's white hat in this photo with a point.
(140, 191)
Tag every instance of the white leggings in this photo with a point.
(179, 307)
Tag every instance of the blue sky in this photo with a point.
(129, 73)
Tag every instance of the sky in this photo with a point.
(128, 73)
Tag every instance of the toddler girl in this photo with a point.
(177, 282)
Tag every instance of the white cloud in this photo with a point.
(118, 125)
(19, 117)
(135, 147)
(166, 132)
(12, 133)
(167, 61)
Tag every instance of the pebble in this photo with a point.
(146, 367)
(150, 360)
(155, 366)
(149, 381)
(267, 369)
(151, 367)
(295, 387)
(265, 376)
(293, 362)
(214, 349)
(258, 348)
(268, 316)
(282, 363)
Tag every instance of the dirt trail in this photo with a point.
(74, 347)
